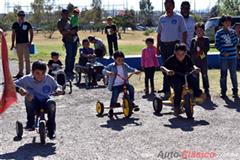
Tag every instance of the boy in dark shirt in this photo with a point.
(54, 63)
(180, 62)
(199, 48)
(87, 55)
(111, 32)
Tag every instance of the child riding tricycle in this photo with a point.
(179, 70)
(37, 89)
(117, 83)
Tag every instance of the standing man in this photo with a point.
(189, 21)
(171, 25)
(71, 46)
(111, 32)
(20, 32)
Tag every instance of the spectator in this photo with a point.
(199, 49)
(100, 48)
(111, 32)
(20, 33)
(71, 46)
(189, 21)
(237, 29)
(149, 62)
(170, 26)
(226, 41)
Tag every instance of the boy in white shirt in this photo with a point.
(115, 83)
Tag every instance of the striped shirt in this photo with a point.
(226, 42)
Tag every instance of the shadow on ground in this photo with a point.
(119, 123)
(185, 124)
(209, 105)
(232, 104)
(31, 150)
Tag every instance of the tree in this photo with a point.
(7, 20)
(17, 8)
(50, 18)
(215, 11)
(125, 19)
(146, 12)
(38, 10)
(96, 4)
(197, 17)
(230, 7)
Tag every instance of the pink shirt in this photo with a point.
(149, 57)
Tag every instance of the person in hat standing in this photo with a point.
(64, 27)
(111, 32)
(22, 42)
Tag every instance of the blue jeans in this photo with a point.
(116, 90)
(230, 64)
(34, 106)
(71, 51)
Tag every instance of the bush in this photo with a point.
(148, 32)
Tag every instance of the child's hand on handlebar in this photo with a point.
(196, 69)
(22, 92)
(137, 72)
(170, 72)
(59, 92)
(110, 74)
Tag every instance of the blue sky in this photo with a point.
(132, 4)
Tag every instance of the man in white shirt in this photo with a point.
(189, 21)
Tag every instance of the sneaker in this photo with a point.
(235, 95)
(166, 96)
(160, 91)
(110, 113)
(52, 136)
(153, 91)
(146, 92)
(135, 107)
(208, 95)
(176, 112)
(223, 95)
(18, 76)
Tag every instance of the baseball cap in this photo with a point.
(76, 10)
(64, 11)
(21, 13)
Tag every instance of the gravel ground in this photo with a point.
(82, 135)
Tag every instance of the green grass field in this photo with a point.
(131, 43)
(214, 81)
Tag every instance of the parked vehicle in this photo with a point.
(213, 25)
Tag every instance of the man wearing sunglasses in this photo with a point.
(22, 42)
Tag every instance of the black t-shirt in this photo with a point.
(111, 30)
(85, 51)
(182, 67)
(21, 31)
(51, 62)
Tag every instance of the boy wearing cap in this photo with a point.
(111, 32)
(20, 33)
